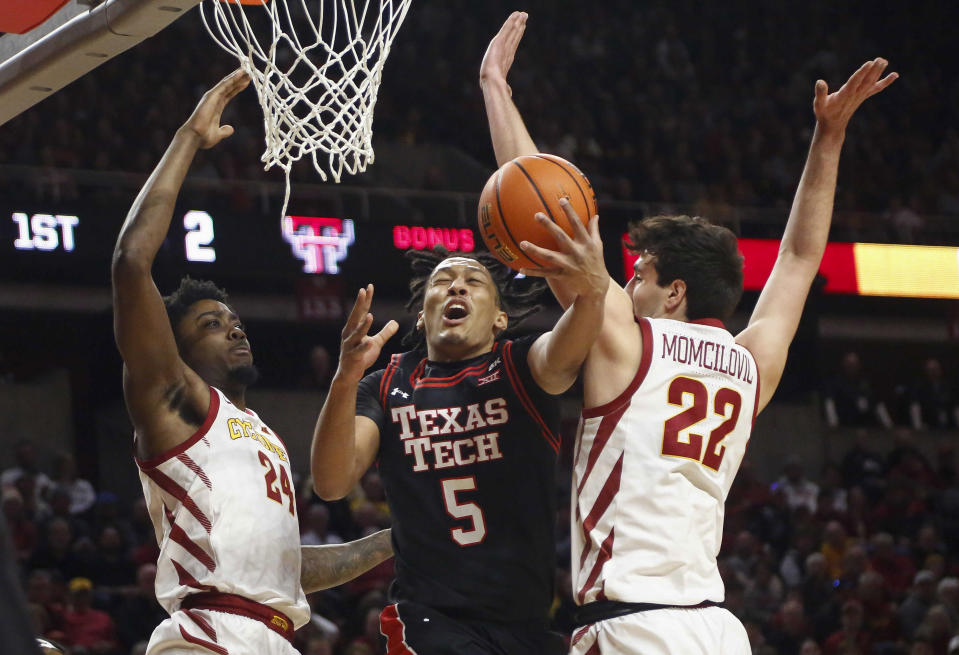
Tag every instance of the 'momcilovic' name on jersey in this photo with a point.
(707, 354)
(418, 426)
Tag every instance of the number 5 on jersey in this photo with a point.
(461, 510)
(681, 390)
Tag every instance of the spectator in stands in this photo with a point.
(861, 466)
(315, 530)
(792, 566)
(818, 587)
(23, 530)
(932, 402)
(850, 638)
(86, 628)
(81, 492)
(745, 555)
(947, 593)
(880, 619)
(25, 455)
(111, 567)
(140, 612)
(789, 627)
(927, 543)
(896, 569)
(765, 590)
(936, 629)
(848, 398)
(902, 220)
(902, 509)
(799, 490)
(56, 551)
(920, 598)
(835, 543)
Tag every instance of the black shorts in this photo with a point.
(414, 629)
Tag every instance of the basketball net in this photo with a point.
(316, 73)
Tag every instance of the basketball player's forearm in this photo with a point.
(149, 218)
(506, 127)
(333, 451)
(330, 566)
(807, 229)
(570, 341)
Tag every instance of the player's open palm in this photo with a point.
(359, 350)
(502, 49)
(578, 259)
(205, 120)
(833, 110)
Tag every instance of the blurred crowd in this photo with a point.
(862, 558)
(712, 114)
(927, 401)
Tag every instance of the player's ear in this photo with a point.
(419, 320)
(500, 322)
(676, 294)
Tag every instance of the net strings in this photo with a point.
(316, 75)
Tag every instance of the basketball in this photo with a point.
(517, 191)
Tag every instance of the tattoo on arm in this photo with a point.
(329, 566)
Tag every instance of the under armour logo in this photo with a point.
(493, 365)
(399, 392)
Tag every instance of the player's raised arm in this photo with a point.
(578, 265)
(154, 373)
(507, 130)
(776, 317)
(344, 444)
(511, 139)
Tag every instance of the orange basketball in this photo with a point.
(517, 191)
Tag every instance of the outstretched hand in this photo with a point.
(205, 120)
(502, 49)
(578, 260)
(359, 350)
(833, 110)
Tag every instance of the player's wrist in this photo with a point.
(345, 380)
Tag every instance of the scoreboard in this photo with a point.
(72, 244)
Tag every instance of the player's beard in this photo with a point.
(245, 374)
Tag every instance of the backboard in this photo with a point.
(80, 36)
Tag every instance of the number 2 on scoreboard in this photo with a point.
(683, 388)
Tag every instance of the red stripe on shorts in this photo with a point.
(393, 628)
(209, 645)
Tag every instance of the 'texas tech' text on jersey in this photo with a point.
(467, 456)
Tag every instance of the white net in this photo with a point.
(316, 66)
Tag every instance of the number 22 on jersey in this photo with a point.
(692, 395)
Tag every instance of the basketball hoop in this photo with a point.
(316, 73)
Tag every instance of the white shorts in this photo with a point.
(667, 631)
(205, 632)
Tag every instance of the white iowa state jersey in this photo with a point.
(653, 467)
(222, 505)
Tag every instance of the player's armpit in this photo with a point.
(330, 566)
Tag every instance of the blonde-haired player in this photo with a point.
(671, 395)
(217, 480)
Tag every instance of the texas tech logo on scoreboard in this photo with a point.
(320, 242)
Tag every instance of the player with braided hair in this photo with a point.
(464, 427)
(519, 299)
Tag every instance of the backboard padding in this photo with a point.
(82, 43)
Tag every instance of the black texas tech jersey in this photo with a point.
(467, 456)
